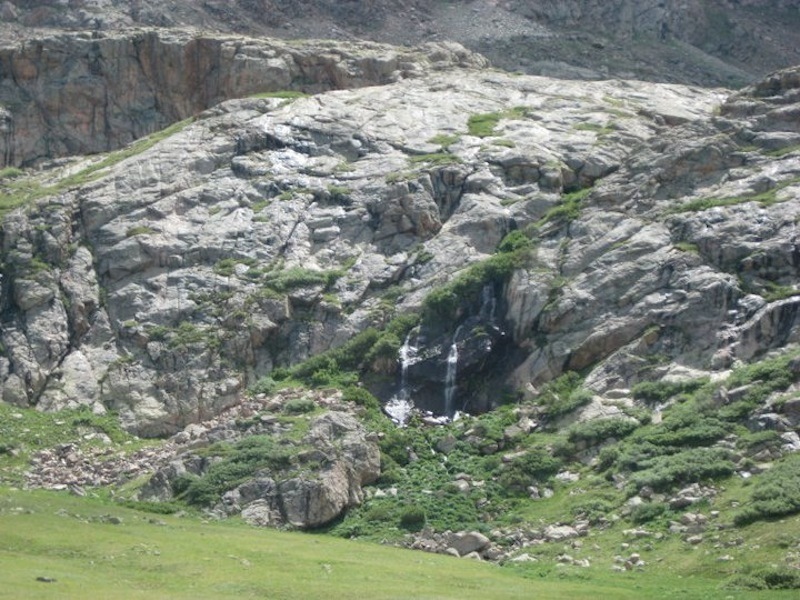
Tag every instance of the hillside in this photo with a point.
(395, 294)
(716, 42)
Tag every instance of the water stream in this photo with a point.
(451, 376)
(400, 405)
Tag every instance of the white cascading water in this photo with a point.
(451, 377)
(400, 405)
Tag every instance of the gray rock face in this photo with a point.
(267, 231)
(80, 93)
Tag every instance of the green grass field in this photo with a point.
(72, 541)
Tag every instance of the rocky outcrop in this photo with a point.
(82, 93)
(334, 460)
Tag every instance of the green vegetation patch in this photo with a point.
(442, 304)
(24, 431)
(282, 94)
(439, 159)
(236, 463)
(568, 208)
(767, 198)
(484, 124)
(775, 493)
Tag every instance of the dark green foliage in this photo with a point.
(298, 406)
(361, 397)
(568, 207)
(661, 391)
(776, 493)
(412, 518)
(644, 513)
(535, 465)
(563, 395)
(265, 385)
(442, 304)
(387, 347)
(599, 430)
(665, 471)
(766, 578)
(394, 445)
(240, 462)
(515, 241)
(685, 425)
(594, 510)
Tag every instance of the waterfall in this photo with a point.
(400, 405)
(451, 376)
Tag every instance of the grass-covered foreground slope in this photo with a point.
(89, 548)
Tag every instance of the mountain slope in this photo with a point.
(718, 42)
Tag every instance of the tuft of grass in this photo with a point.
(765, 199)
(282, 94)
(444, 140)
(436, 159)
(483, 125)
(139, 230)
(568, 208)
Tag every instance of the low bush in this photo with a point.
(563, 395)
(661, 391)
(766, 578)
(668, 470)
(239, 462)
(412, 518)
(776, 493)
(599, 430)
(298, 406)
(644, 513)
(535, 465)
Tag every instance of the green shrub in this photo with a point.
(661, 391)
(394, 444)
(598, 430)
(695, 465)
(361, 397)
(442, 305)
(563, 395)
(515, 241)
(298, 406)
(240, 461)
(535, 465)
(776, 493)
(766, 578)
(265, 385)
(644, 513)
(412, 518)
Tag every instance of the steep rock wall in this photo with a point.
(84, 93)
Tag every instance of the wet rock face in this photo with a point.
(163, 283)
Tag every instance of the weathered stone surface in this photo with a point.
(267, 231)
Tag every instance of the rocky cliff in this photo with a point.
(83, 93)
(697, 41)
(627, 230)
